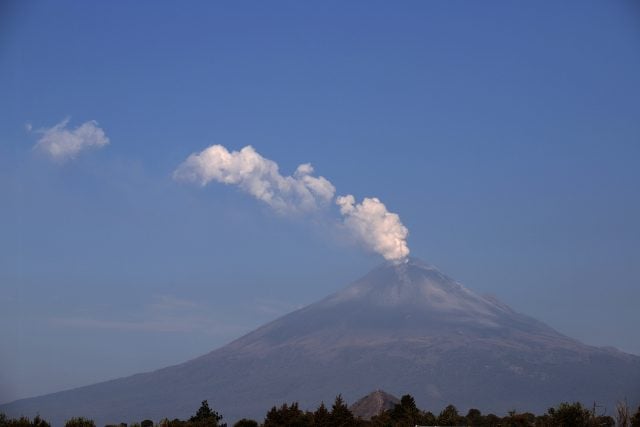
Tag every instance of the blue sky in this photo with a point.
(505, 135)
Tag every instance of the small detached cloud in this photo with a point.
(61, 143)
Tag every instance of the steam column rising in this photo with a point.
(301, 194)
(376, 227)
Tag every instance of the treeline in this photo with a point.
(404, 414)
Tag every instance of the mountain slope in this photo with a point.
(373, 404)
(403, 328)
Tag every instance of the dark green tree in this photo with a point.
(321, 416)
(491, 420)
(383, 419)
(474, 417)
(22, 422)
(25, 421)
(596, 420)
(604, 421)
(245, 422)
(514, 419)
(19, 422)
(340, 414)
(39, 422)
(288, 415)
(569, 415)
(80, 422)
(428, 418)
(635, 419)
(206, 417)
(406, 413)
(146, 423)
(449, 417)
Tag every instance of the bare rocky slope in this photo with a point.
(373, 404)
(403, 328)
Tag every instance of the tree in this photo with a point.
(635, 420)
(604, 421)
(406, 413)
(428, 419)
(19, 422)
(449, 416)
(80, 422)
(474, 417)
(39, 422)
(206, 417)
(22, 421)
(246, 423)
(623, 416)
(288, 415)
(340, 414)
(514, 419)
(383, 419)
(322, 417)
(491, 420)
(569, 415)
(146, 423)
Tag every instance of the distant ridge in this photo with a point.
(405, 328)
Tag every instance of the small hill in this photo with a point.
(373, 404)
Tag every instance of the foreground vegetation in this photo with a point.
(404, 414)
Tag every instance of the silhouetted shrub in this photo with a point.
(80, 422)
(246, 423)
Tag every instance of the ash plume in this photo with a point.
(376, 227)
(259, 177)
(369, 222)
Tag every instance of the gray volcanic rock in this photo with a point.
(404, 328)
(373, 404)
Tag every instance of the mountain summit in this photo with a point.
(404, 327)
(393, 303)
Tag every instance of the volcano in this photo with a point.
(404, 328)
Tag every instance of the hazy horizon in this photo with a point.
(498, 142)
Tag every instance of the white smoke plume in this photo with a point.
(60, 143)
(370, 222)
(259, 177)
(376, 227)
